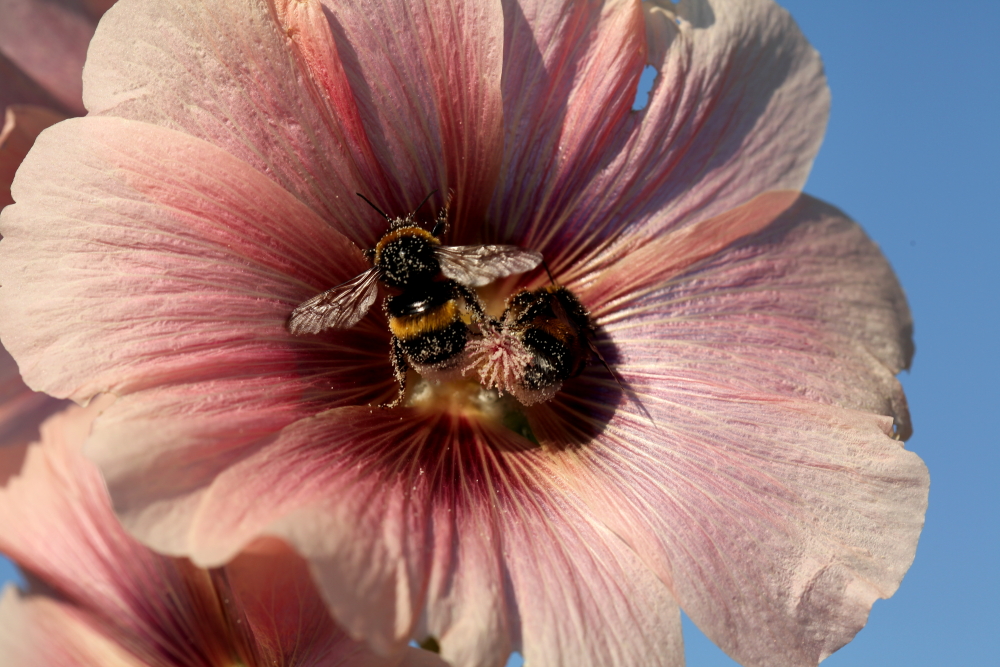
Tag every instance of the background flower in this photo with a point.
(42, 50)
(98, 597)
(765, 382)
(43, 45)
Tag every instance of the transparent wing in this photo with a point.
(477, 265)
(339, 308)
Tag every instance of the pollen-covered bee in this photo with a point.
(544, 337)
(556, 329)
(433, 280)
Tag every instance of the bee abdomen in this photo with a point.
(439, 318)
(431, 346)
(553, 359)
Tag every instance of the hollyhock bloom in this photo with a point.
(21, 409)
(42, 50)
(43, 45)
(751, 472)
(99, 598)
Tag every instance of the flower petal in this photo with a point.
(570, 73)
(35, 501)
(423, 515)
(288, 619)
(159, 452)
(37, 630)
(48, 42)
(776, 523)
(221, 70)
(274, 94)
(805, 307)
(769, 490)
(426, 76)
(56, 522)
(201, 255)
(204, 258)
(739, 108)
(21, 410)
(21, 126)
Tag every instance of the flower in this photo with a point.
(751, 472)
(98, 597)
(21, 409)
(42, 49)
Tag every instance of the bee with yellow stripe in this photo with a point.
(433, 280)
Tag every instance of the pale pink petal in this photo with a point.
(777, 523)
(222, 71)
(739, 107)
(159, 454)
(761, 478)
(56, 522)
(288, 619)
(16, 87)
(40, 631)
(282, 105)
(426, 76)
(21, 410)
(200, 255)
(450, 522)
(570, 73)
(21, 125)
(638, 267)
(204, 258)
(37, 631)
(48, 42)
(806, 307)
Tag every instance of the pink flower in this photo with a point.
(43, 45)
(98, 597)
(42, 49)
(21, 409)
(752, 474)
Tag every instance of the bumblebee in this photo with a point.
(556, 329)
(425, 318)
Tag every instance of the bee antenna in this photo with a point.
(627, 392)
(421, 204)
(368, 201)
(553, 281)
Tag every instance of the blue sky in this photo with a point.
(913, 153)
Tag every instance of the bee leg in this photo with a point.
(399, 366)
(471, 299)
(441, 223)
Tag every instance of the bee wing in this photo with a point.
(477, 265)
(338, 308)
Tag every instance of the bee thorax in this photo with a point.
(406, 257)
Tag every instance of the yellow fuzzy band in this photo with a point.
(403, 231)
(411, 326)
